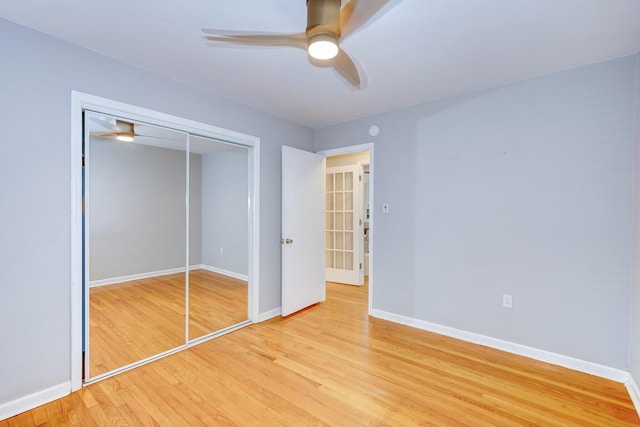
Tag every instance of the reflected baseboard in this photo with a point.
(139, 276)
(224, 272)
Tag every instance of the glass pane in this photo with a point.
(339, 182)
(219, 232)
(330, 224)
(136, 219)
(339, 240)
(348, 260)
(348, 201)
(340, 201)
(329, 182)
(348, 240)
(330, 262)
(339, 221)
(329, 202)
(339, 260)
(348, 221)
(348, 181)
(329, 239)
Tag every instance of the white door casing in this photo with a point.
(370, 147)
(303, 229)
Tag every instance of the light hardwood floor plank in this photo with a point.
(331, 364)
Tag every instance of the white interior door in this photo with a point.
(344, 225)
(303, 254)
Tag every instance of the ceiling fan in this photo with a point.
(123, 130)
(327, 22)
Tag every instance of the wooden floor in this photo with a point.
(133, 320)
(331, 364)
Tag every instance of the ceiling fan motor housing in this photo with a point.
(124, 131)
(323, 18)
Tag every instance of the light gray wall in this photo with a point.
(524, 189)
(38, 74)
(634, 336)
(225, 220)
(137, 209)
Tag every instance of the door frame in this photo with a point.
(355, 149)
(81, 101)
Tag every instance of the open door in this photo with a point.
(303, 229)
(344, 225)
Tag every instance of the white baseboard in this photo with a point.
(115, 280)
(15, 407)
(634, 392)
(603, 371)
(269, 314)
(225, 272)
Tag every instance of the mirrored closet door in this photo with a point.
(219, 225)
(166, 240)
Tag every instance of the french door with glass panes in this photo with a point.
(343, 225)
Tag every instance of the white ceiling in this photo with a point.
(412, 51)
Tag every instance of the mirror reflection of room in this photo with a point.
(136, 223)
(219, 188)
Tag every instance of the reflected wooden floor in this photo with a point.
(133, 320)
(215, 302)
(331, 364)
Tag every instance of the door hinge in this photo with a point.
(360, 178)
(361, 222)
(360, 266)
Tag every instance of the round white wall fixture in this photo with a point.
(374, 130)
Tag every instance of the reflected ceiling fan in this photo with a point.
(123, 130)
(327, 22)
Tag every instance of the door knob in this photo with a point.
(286, 241)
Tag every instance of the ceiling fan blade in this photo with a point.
(355, 14)
(102, 121)
(104, 134)
(298, 40)
(345, 66)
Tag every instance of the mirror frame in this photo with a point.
(82, 101)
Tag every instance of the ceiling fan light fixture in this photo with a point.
(323, 46)
(124, 137)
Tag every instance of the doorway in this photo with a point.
(349, 240)
(140, 224)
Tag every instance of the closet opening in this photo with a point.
(166, 236)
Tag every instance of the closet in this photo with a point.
(166, 232)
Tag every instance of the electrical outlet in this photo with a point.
(507, 301)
